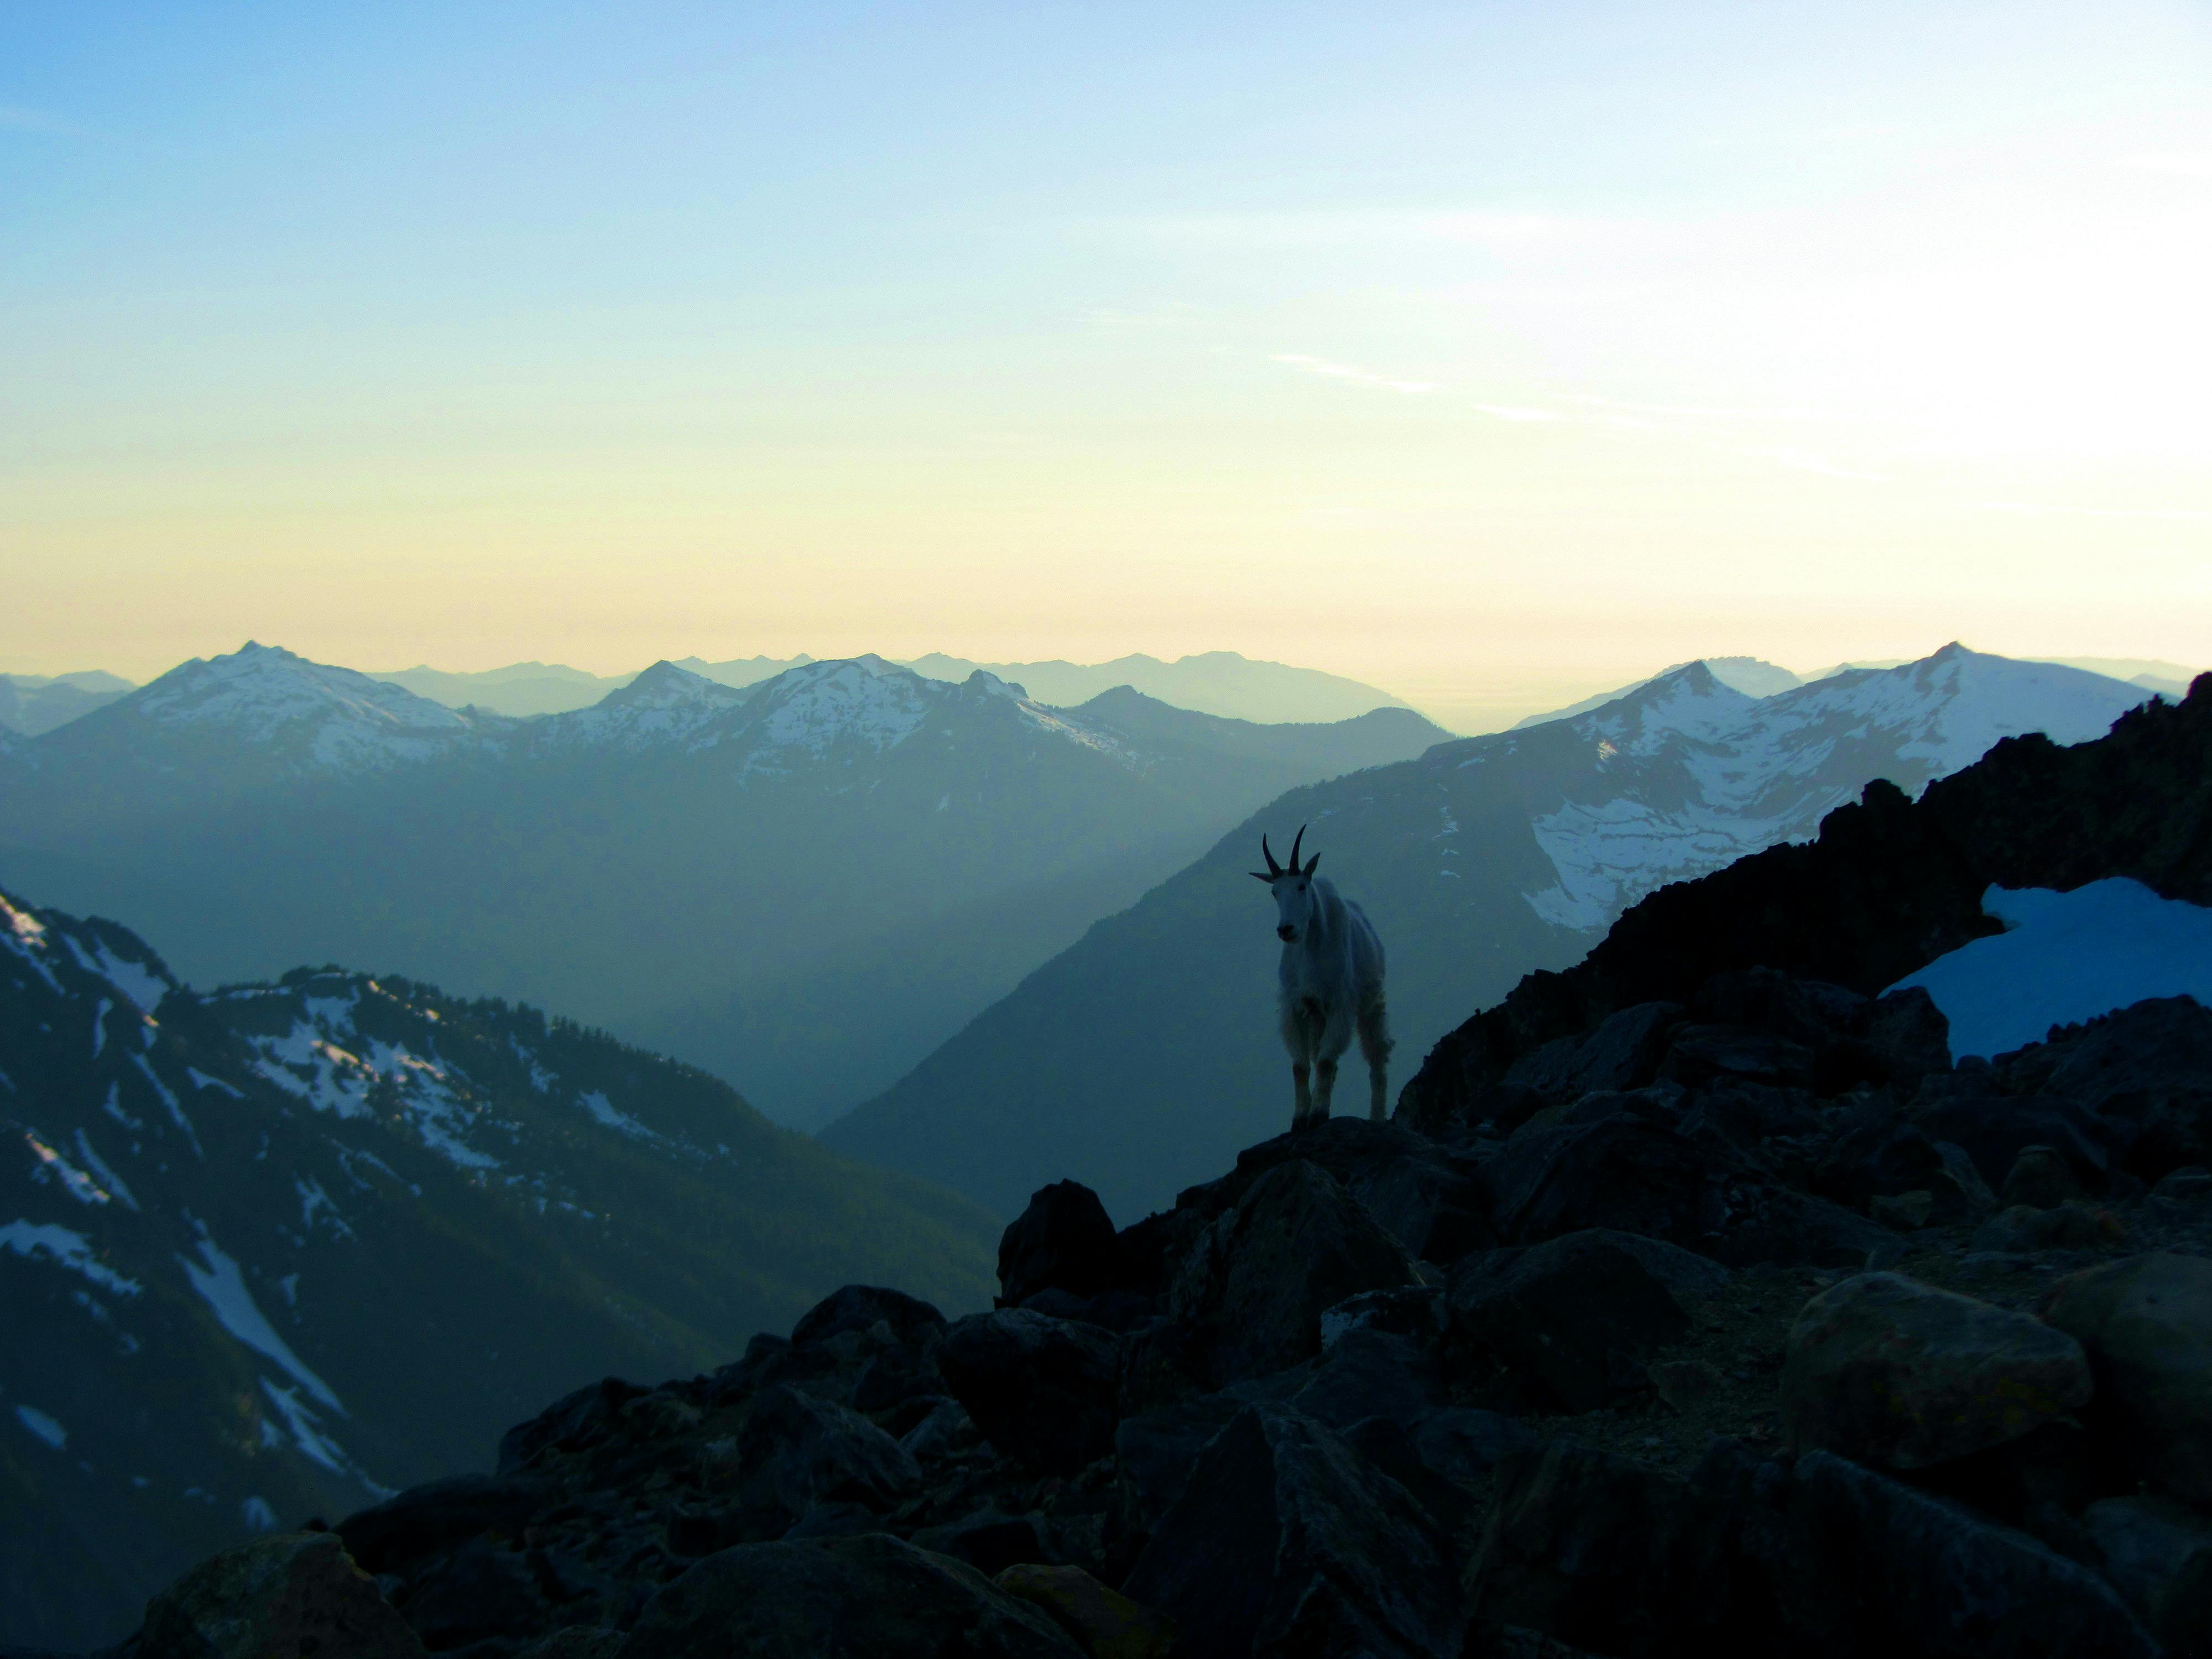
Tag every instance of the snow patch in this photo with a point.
(79, 1185)
(113, 1182)
(258, 1514)
(2064, 957)
(200, 1079)
(602, 1110)
(144, 987)
(223, 1287)
(43, 1426)
(169, 1099)
(66, 1249)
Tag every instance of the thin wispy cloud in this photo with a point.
(1365, 228)
(1356, 376)
(1509, 412)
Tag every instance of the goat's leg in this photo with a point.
(1324, 1086)
(1302, 1100)
(1376, 1044)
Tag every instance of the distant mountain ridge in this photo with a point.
(32, 703)
(1210, 683)
(274, 1247)
(804, 885)
(1480, 861)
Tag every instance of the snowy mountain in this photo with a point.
(1211, 683)
(804, 885)
(32, 703)
(1478, 861)
(271, 1250)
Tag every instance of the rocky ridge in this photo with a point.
(1739, 1322)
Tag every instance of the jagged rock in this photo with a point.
(1286, 1540)
(1371, 1373)
(1873, 1567)
(2147, 1069)
(894, 1377)
(799, 1451)
(1416, 1311)
(1063, 1241)
(1257, 1281)
(1156, 1451)
(1622, 1054)
(1043, 1391)
(1809, 1013)
(1779, 1225)
(870, 1597)
(483, 1589)
(280, 1597)
(1639, 1177)
(2147, 1324)
(1886, 1158)
(2159, 1554)
(947, 1429)
(569, 1424)
(988, 1541)
(2022, 1231)
(1105, 1624)
(1824, 1559)
(859, 1306)
(1432, 1200)
(2041, 1178)
(440, 1514)
(1898, 1373)
(1573, 1322)
(1907, 1211)
(1995, 1128)
(1908, 1034)
(1699, 1053)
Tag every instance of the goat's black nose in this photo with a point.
(1287, 935)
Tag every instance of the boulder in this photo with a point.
(569, 1424)
(2147, 1323)
(2158, 1553)
(1809, 1013)
(1787, 1228)
(1886, 1158)
(1908, 1035)
(1043, 1391)
(2041, 1178)
(1622, 1052)
(1700, 1054)
(1257, 1281)
(2023, 1230)
(869, 1597)
(988, 1540)
(1572, 1323)
(1105, 1624)
(1637, 1176)
(859, 1306)
(2147, 1069)
(1287, 1541)
(440, 1514)
(798, 1451)
(1416, 1311)
(1430, 1199)
(483, 1589)
(1995, 1128)
(1898, 1374)
(279, 1597)
(1063, 1241)
(1869, 1565)
(1156, 1451)
(1372, 1373)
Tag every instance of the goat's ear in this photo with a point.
(1258, 875)
(1313, 863)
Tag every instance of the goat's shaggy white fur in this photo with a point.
(1331, 987)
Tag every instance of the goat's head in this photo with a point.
(1293, 887)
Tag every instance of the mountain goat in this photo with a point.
(1331, 985)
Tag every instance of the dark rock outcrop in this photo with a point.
(1043, 1391)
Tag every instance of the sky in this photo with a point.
(1490, 353)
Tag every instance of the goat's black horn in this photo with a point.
(1274, 868)
(1294, 847)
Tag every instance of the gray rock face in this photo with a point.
(871, 1597)
(1287, 1541)
(1898, 1374)
(1369, 1373)
(1258, 1280)
(1623, 1053)
(2147, 1323)
(799, 1451)
(2159, 1554)
(1043, 1391)
(1572, 1322)
(294, 1594)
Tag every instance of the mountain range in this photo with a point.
(1480, 861)
(804, 885)
(273, 1249)
(32, 703)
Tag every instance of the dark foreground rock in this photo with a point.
(294, 1595)
(871, 1597)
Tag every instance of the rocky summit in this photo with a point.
(1694, 1303)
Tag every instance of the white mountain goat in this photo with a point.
(1332, 985)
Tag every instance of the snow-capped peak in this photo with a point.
(865, 698)
(665, 705)
(263, 694)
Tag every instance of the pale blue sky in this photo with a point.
(1456, 348)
